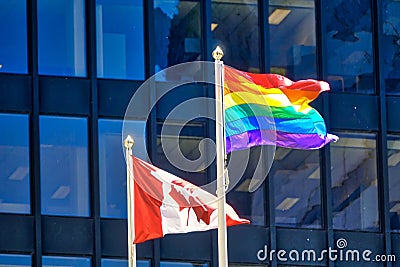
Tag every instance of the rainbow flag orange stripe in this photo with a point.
(269, 109)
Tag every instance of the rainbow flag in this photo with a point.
(269, 109)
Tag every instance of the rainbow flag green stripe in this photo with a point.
(269, 109)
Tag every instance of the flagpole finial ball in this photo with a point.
(217, 53)
(128, 143)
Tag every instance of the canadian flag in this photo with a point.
(166, 204)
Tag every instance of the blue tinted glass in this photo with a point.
(15, 260)
(112, 167)
(235, 28)
(292, 39)
(52, 261)
(64, 166)
(297, 193)
(14, 164)
(178, 32)
(122, 263)
(13, 36)
(394, 181)
(391, 45)
(349, 56)
(62, 42)
(354, 182)
(120, 39)
(182, 264)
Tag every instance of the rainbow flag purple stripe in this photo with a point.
(269, 109)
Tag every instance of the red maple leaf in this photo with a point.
(203, 211)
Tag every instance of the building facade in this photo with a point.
(68, 69)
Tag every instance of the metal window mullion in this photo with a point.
(383, 176)
(93, 130)
(325, 156)
(32, 30)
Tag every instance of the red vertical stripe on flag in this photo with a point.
(148, 195)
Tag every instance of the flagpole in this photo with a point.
(220, 146)
(128, 143)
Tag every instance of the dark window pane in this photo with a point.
(122, 263)
(292, 39)
(349, 56)
(297, 193)
(112, 167)
(120, 39)
(14, 164)
(394, 181)
(391, 45)
(53, 261)
(182, 264)
(15, 260)
(13, 36)
(177, 32)
(184, 144)
(248, 205)
(64, 166)
(235, 29)
(354, 182)
(62, 42)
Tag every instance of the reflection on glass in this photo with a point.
(61, 37)
(52, 261)
(64, 166)
(178, 32)
(14, 164)
(8, 260)
(13, 35)
(248, 204)
(349, 46)
(391, 45)
(182, 264)
(178, 151)
(297, 193)
(235, 29)
(112, 167)
(354, 182)
(122, 263)
(292, 39)
(120, 39)
(394, 181)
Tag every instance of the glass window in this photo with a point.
(61, 37)
(53, 261)
(391, 45)
(13, 45)
(394, 181)
(297, 192)
(14, 163)
(112, 164)
(120, 39)
(178, 150)
(64, 166)
(177, 32)
(122, 263)
(354, 182)
(248, 204)
(235, 29)
(349, 56)
(13, 260)
(292, 39)
(182, 264)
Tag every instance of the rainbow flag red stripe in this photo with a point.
(269, 109)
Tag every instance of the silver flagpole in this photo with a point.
(128, 143)
(220, 146)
